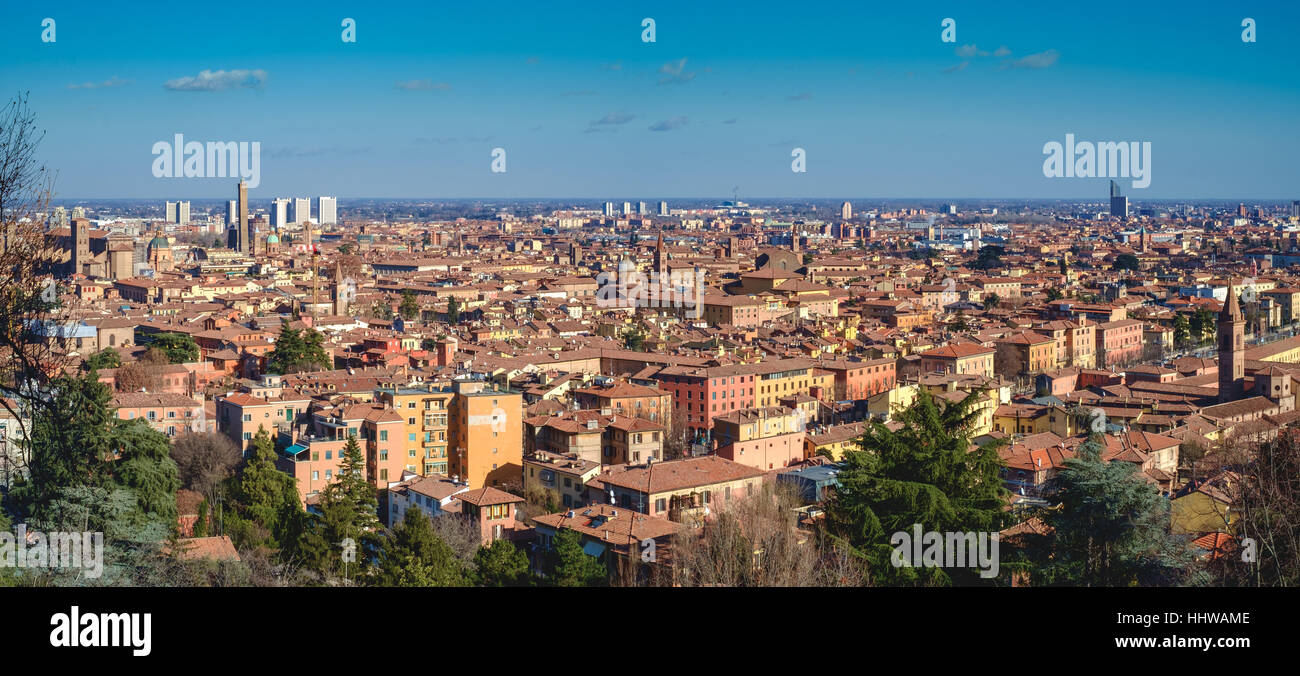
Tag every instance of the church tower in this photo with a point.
(1232, 349)
(340, 290)
(661, 259)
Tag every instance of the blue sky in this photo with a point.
(585, 109)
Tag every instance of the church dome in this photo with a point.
(273, 238)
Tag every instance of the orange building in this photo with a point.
(486, 439)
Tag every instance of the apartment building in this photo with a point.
(764, 437)
(959, 358)
(558, 479)
(679, 490)
(485, 437)
(315, 455)
(169, 413)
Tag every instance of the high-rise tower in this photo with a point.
(1118, 202)
(245, 241)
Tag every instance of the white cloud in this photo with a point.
(218, 80)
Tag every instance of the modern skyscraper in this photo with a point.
(182, 213)
(231, 211)
(170, 216)
(641, 209)
(279, 212)
(846, 211)
(1118, 202)
(60, 217)
(327, 210)
(1295, 208)
(627, 208)
(300, 210)
(663, 208)
(609, 208)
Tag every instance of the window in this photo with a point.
(315, 475)
(383, 435)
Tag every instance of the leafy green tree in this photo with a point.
(201, 522)
(106, 358)
(131, 541)
(1203, 325)
(180, 348)
(1182, 330)
(69, 444)
(453, 310)
(218, 242)
(991, 301)
(925, 472)
(416, 557)
(381, 310)
(297, 350)
(988, 257)
(348, 512)
(502, 565)
(346, 249)
(410, 307)
(1054, 293)
(1111, 529)
(1126, 261)
(569, 566)
(265, 495)
(145, 466)
(1065, 267)
(634, 339)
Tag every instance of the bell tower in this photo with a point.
(1232, 349)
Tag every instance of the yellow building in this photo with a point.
(770, 388)
(425, 414)
(834, 441)
(885, 404)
